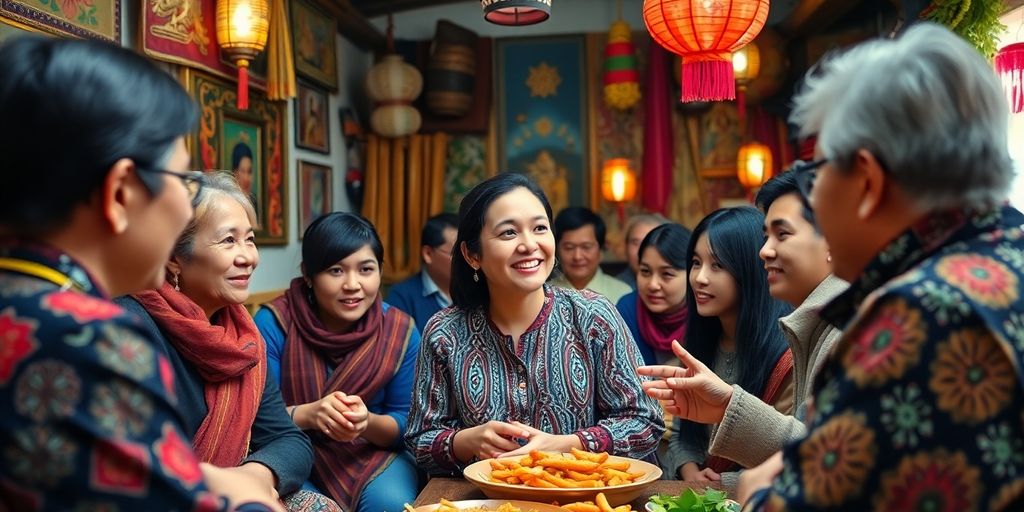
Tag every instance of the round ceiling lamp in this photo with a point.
(516, 12)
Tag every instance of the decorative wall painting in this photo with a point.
(315, 198)
(313, 43)
(185, 32)
(251, 144)
(311, 127)
(97, 19)
(542, 115)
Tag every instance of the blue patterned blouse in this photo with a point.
(573, 372)
(919, 406)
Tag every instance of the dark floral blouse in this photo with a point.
(920, 405)
(87, 411)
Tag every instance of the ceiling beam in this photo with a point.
(1012, 4)
(353, 25)
(813, 15)
(371, 8)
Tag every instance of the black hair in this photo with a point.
(576, 217)
(735, 235)
(69, 110)
(240, 151)
(333, 237)
(778, 186)
(671, 241)
(433, 231)
(467, 293)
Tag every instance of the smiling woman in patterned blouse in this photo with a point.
(516, 365)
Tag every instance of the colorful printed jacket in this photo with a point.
(87, 412)
(920, 405)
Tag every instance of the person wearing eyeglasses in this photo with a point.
(427, 292)
(95, 193)
(919, 406)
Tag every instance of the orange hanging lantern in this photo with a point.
(705, 33)
(242, 27)
(754, 164)
(618, 183)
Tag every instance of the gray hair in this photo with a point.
(656, 219)
(926, 105)
(217, 185)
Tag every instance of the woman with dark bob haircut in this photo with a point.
(93, 169)
(345, 360)
(732, 328)
(656, 312)
(517, 365)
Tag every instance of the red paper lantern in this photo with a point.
(1009, 64)
(705, 33)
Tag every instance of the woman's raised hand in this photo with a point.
(488, 440)
(692, 392)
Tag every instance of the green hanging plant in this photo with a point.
(977, 21)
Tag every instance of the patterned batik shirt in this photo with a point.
(87, 415)
(573, 372)
(920, 404)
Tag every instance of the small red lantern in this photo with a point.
(705, 33)
(1010, 66)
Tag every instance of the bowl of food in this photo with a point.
(563, 477)
(708, 500)
(485, 506)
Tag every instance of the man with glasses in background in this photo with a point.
(426, 293)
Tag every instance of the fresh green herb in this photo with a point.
(691, 501)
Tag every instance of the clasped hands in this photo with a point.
(339, 416)
(502, 439)
(691, 391)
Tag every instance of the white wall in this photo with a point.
(279, 264)
(567, 17)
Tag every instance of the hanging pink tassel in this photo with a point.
(1009, 63)
(708, 80)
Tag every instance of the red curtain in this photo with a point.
(658, 152)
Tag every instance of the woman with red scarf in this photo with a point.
(346, 360)
(232, 410)
(656, 312)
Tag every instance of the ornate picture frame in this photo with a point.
(312, 126)
(227, 136)
(313, 35)
(97, 19)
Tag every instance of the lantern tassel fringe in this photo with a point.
(243, 85)
(707, 81)
(1009, 63)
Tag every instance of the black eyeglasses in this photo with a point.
(805, 172)
(193, 180)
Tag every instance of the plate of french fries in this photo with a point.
(485, 506)
(563, 478)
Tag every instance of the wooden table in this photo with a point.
(455, 489)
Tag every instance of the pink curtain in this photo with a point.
(658, 153)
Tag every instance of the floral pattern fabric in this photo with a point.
(919, 406)
(86, 421)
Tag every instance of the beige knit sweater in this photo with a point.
(752, 430)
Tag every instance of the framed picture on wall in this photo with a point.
(312, 130)
(98, 19)
(250, 143)
(315, 198)
(313, 43)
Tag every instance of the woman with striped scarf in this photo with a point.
(345, 360)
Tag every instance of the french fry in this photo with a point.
(621, 465)
(581, 507)
(582, 466)
(578, 469)
(602, 503)
(593, 457)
